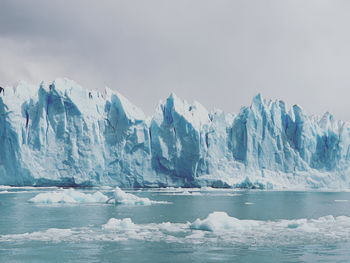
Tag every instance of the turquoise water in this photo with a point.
(32, 232)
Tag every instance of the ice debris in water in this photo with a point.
(220, 221)
(124, 198)
(120, 224)
(217, 227)
(73, 196)
(49, 235)
(69, 196)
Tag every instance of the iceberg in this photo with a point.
(68, 196)
(77, 197)
(60, 134)
(222, 222)
(118, 224)
(121, 197)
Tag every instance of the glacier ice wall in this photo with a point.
(63, 134)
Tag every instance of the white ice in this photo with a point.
(65, 135)
(68, 196)
(217, 227)
(124, 198)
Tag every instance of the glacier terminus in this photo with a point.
(61, 134)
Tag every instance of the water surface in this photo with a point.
(74, 232)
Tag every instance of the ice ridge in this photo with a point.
(64, 135)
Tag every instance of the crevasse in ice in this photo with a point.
(63, 134)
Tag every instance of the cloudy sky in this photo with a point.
(220, 53)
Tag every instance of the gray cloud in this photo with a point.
(220, 53)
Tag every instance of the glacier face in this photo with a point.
(63, 134)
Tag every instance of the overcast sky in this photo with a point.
(220, 53)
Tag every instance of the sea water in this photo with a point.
(252, 226)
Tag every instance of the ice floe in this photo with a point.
(75, 196)
(69, 196)
(124, 198)
(114, 224)
(220, 221)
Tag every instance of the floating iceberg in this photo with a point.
(119, 224)
(61, 134)
(220, 221)
(74, 196)
(222, 224)
(68, 196)
(124, 198)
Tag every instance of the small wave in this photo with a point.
(207, 191)
(15, 192)
(183, 192)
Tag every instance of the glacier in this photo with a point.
(61, 134)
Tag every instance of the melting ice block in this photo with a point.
(68, 196)
(124, 198)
